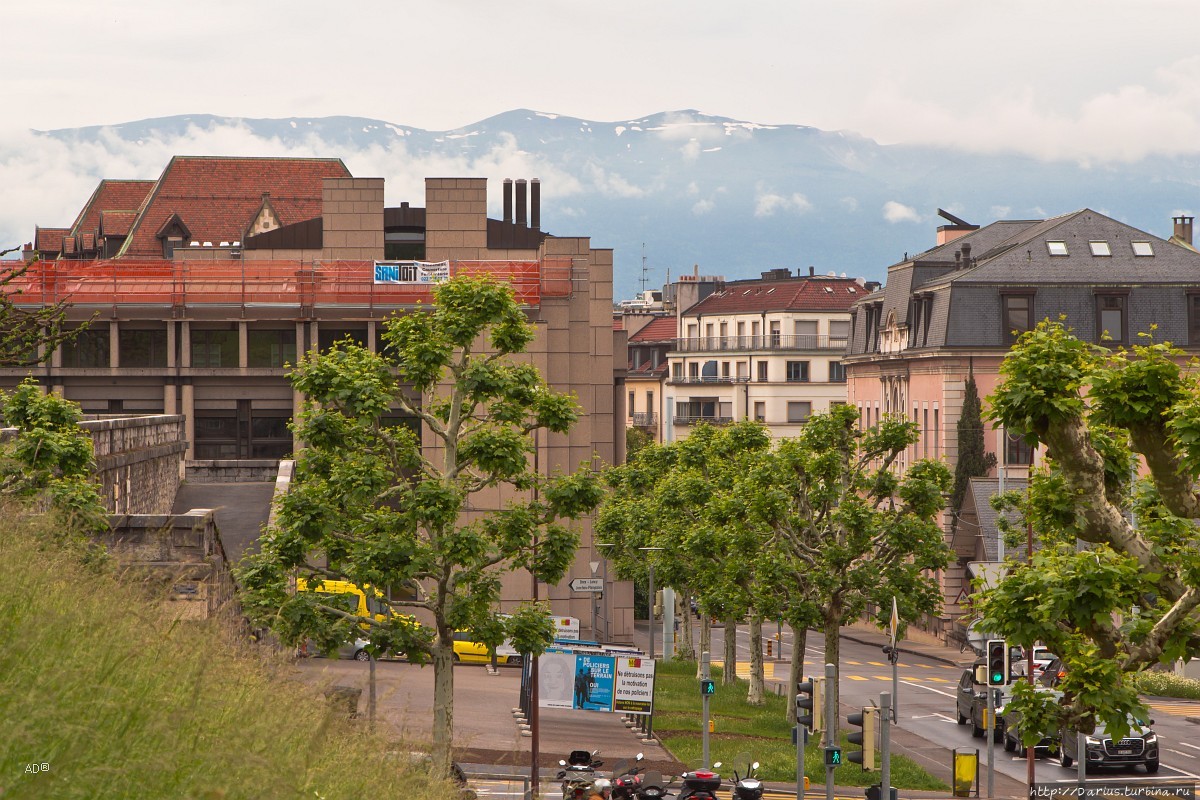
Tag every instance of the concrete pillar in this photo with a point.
(114, 344)
(189, 419)
(243, 345)
(185, 348)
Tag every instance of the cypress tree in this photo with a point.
(973, 460)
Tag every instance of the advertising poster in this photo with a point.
(593, 682)
(633, 692)
(566, 628)
(556, 680)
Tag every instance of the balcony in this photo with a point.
(689, 420)
(707, 379)
(643, 419)
(770, 342)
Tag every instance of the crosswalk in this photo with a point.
(926, 673)
(496, 789)
(1177, 708)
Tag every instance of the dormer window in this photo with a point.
(1100, 248)
(1057, 248)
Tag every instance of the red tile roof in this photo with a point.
(49, 240)
(217, 197)
(662, 329)
(110, 196)
(116, 223)
(796, 294)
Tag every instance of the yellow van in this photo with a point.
(350, 598)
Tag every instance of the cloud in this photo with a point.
(849, 203)
(766, 203)
(898, 212)
(610, 183)
(703, 207)
(691, 150)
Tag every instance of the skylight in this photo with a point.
(1100, 248)
(770, 290)
(829, 289)
(1057, 248)
(1142, 249)
(851, 289)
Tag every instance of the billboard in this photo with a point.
(411, 271)
(596, 682)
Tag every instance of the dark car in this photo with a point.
(1139, 748)
(972, 701)
(1052, 674)
(1011, 721)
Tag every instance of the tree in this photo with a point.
(852, 532)
(636, 439)
(28, 335)
(370, 505)
(1127, 600)
(973, 460)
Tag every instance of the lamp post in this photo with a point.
(607, 601)
(650, 599)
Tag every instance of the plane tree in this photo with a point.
(29, 334)
(369, 504)
(851, 530)
(1114, 587)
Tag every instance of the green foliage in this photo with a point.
(973, 460)
(635, 440)
(387, 512)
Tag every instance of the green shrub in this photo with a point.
(1167, 684)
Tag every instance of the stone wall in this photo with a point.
(180, 552)
(139, 461)
(230, 471)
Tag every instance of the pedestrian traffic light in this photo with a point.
(833, 756)
(864, 737)
(809, 700)
(997, 662)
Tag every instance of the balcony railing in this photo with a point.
(689, 420)
(770, 341)
(643, 419)
(709, 379)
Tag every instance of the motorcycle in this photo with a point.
(626, 779)
(651, 786)
(578, 774)
(701, 784)
(746, 786)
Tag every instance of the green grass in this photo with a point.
(117, 700)
(760, 731)
(1167, 684)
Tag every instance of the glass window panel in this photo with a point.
(1057, 248)
(214, 348)
(143, 348)
(88, 349)
(799, 411)
(1142, 249)
(270, 348)
(1100, 248)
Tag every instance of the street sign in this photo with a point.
(587, 584)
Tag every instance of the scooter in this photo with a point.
(578, 773)
(651, 786)
(626, 779)
(701, 784)
(746, 786)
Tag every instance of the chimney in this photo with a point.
(520, 220)
(535, 204)
(508, 190)
(1183, 229)
(966, 251)
(812, 271)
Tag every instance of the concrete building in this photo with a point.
(953, 311)
(199, 288)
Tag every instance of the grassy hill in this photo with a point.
(103, 695)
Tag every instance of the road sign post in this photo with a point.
(707, 687)
(830, 725)
(587, 584)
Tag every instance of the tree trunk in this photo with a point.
(755, 696)
(705, 640)
(729, 663)
(687, 642)
(443, 702)
(832, 629)
(796, 670)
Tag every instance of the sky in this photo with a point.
(1095, 81)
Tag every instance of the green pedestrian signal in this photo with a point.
(833, 756)
(708, 687)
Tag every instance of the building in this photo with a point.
(768, 349)
(198, 293)
(954, 310)
(649, 344)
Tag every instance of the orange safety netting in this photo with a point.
(347, 283)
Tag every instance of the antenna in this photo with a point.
(645, 269)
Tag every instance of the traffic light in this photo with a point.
(997, 662)
(833, 756)
(810, 698)
(865, 737)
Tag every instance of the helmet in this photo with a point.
(602, 786)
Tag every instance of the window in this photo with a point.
(839, 332)
(677, 370)
(724, 369)
(88, 349)
(762, 371)
(1110, 317)
(742, 370)
(693, 330)
(937, 435)
(1017, 451)
(760, 412)
(774, 333)
(1100, 248)
(1018, 315)
(1057, 248)
(649, 402)
(1142, 249)
(270, 348)
(1193, 306)
(242, 432)
(797, 371)
(214, 348)
(837, 372)
(142, 348)
(806, 333)
(326, 337)
(631, 403)
(709, 370)
(799, 411)
(925, 432)
(693, 370)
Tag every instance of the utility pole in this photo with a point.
(885, 747)
(831, 711)
(705, 677)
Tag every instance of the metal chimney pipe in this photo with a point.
(520, 220)
(508, 189)
(535, 204)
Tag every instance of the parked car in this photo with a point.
(1042, 657)
(972, 702)
(469, 651)
(1139, 748)
(1053, 673)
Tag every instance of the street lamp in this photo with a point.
(650, 599)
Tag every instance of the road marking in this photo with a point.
(936, 715)
(854, 663)
(855, 678)
(1177, 709)
(876, 664)
(940, 680)
(930, 689)
(1185, 744)
(1180, 753)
